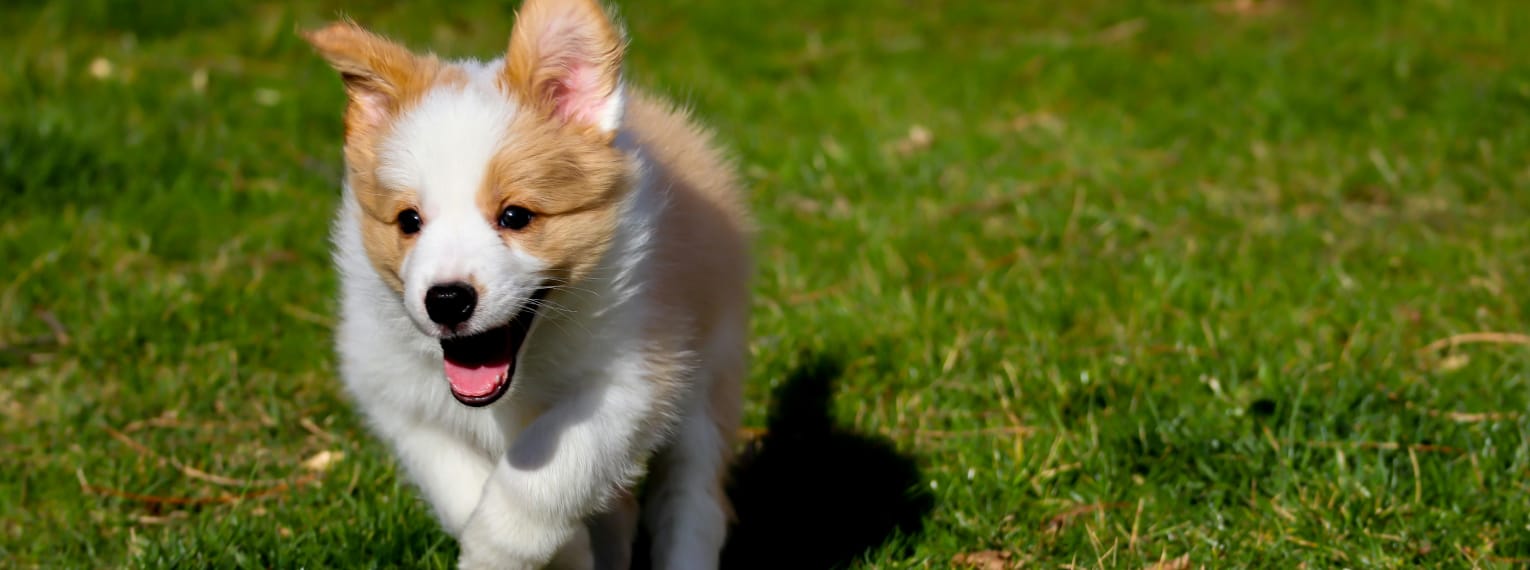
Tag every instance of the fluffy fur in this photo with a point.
(635, 355)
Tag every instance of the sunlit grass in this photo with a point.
(1126, 280)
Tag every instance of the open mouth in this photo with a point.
(480, 367)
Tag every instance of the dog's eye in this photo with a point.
(515, 218)
(409, 222)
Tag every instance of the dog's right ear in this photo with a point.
(566, 57)
(379, 74)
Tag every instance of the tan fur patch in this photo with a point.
(382, 80)
(702, 243)
(571, 181)
(702, 254)
(561, 167)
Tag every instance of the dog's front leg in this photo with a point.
(559, 470)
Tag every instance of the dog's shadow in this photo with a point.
(812, 494)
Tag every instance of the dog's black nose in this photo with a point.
(450, 304)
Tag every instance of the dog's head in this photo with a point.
(481, 185)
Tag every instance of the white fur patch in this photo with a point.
(442, 146)
(442, 149)
(609, 115)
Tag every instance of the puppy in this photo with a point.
(544, 292)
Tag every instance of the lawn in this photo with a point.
(1104, 283)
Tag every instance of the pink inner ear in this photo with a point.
(371, 106)
(570, 46)
(578, 97)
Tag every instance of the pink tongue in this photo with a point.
(478, 380)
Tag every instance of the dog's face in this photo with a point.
(482, 185)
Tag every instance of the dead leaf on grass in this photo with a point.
(1044, 120)
(1181, 563)
(1452, 363)
(919, 138)
(323, 460)
(985, 560)
(1248, 7)
(1475, 338)
(1055, 524)
(101, 68)
(1122, 31)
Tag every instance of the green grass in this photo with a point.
(1156, 285)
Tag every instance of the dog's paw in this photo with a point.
(484, 547)
(502, 551)
(483, 555)
(499, 538)
(571, 557)
(478, 559)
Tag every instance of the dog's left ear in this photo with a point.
(379, 75)
(565, 57)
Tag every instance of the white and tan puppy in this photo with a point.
(544, 293)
